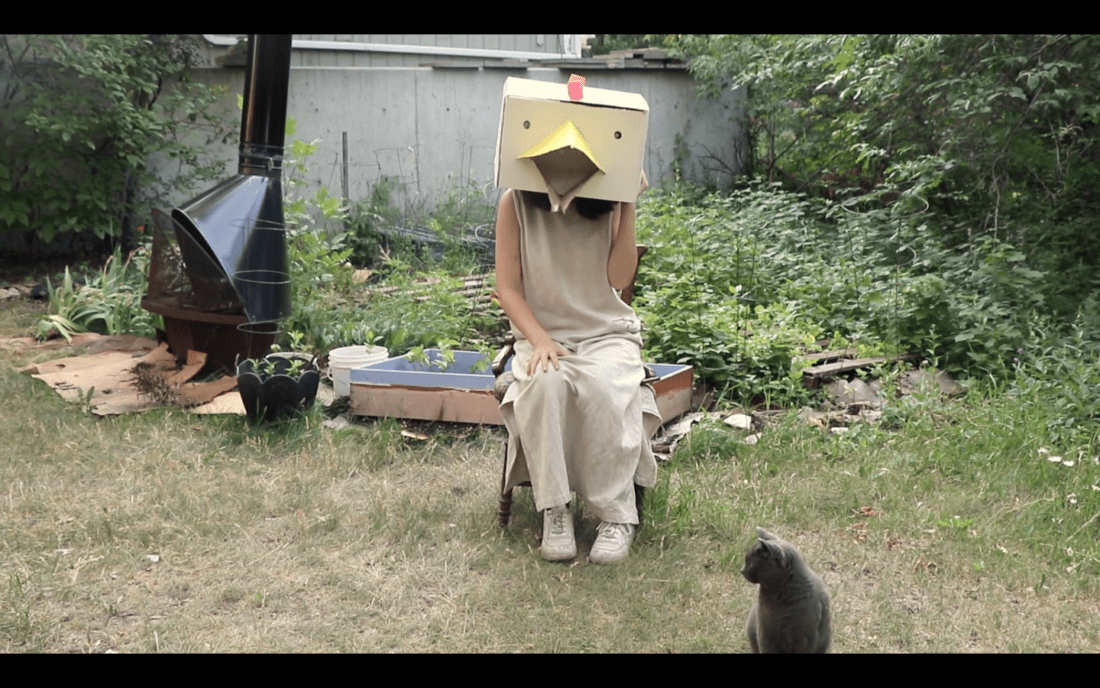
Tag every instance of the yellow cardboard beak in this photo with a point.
(565, 161)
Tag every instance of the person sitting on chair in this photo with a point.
(577, 414)
(579, 418)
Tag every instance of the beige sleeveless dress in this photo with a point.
(586, 426)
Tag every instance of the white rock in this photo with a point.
(740, 421)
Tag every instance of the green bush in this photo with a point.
(80, 118)
(739, 284)
(714, 289)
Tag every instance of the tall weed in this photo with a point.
(108, 303)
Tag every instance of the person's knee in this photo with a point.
(553, 384)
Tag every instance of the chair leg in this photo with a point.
(504, 510)
(639, 500)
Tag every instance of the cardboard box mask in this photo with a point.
(571, 140)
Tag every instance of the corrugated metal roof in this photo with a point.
(447, 51)
(411, 49)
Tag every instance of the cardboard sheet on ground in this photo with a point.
(110, 376)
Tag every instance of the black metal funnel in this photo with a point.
(239, 223)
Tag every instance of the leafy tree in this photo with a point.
(80, 118)
(938, 116)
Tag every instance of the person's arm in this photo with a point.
(510, 288)
(623, 261)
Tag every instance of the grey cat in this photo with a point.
(791, 612)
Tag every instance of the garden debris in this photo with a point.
(12, 293)
(829, 356)
(94, 343)
(664, 445)
(929, 378)
(838, 421)
(702, 396)
(846, 402)
(814, 375)
(337, 423)
(855, 394)
(739, 421)
(860, 530)
(110, 381)
(158, 377)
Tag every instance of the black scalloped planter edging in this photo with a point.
(277, 395)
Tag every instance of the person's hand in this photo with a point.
(543, 354)
(643, 184)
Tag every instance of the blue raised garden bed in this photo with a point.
(401, 371)
(397, 387)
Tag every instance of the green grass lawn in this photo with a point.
(942, 529)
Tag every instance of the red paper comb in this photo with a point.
(576, 86)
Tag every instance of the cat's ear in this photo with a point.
(765, 535)
(775, 551)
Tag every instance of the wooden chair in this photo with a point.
(504, 379)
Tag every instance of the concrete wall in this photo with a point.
(430, 130)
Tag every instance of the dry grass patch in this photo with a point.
(168, 532)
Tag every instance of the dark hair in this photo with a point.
(589, 208)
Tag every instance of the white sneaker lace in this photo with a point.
(557, 521)
(616, 532)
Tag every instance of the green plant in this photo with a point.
(426, 309)
(414, 310)
(955, 523)
(108, 303)
(711, 288)
(446, 356)
(320, 271)
(304, 210)
(276, 365)
(367, 219)
(740, 284)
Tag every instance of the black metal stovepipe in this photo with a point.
(239, 222)
(263, 119)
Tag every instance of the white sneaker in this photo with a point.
(558, 542)
(612, 543)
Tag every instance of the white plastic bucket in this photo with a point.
(342, 360)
